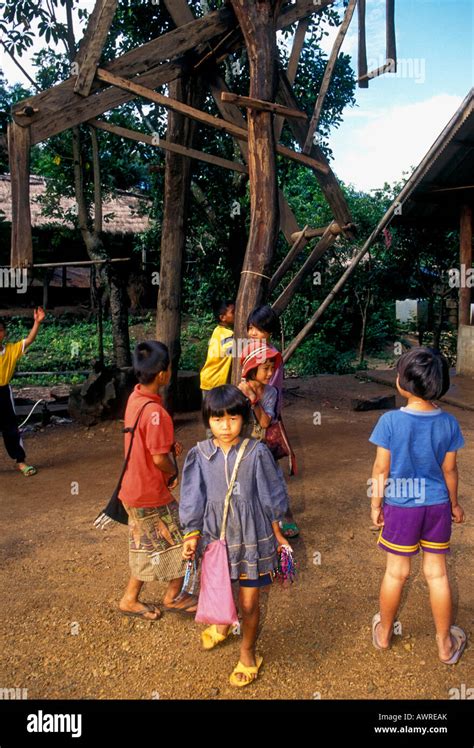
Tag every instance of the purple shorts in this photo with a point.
(408, 528)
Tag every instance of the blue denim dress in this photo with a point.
(259, 498)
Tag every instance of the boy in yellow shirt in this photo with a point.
(10, 353)
(217, 369)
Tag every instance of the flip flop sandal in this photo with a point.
(28, 471)
(184, 609)
(210, 637)
(251, 673)
(141, 613)
(289, 530)
(459, 638)
(375, 622)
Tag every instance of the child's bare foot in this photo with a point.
(134, 607)
(451, 646)
(184, 603)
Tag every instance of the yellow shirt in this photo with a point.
(9, 356)
(216, 370)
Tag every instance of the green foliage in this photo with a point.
(317, 356)
(194, 339)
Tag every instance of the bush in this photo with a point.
(317, 356)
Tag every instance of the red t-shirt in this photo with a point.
(144, 485)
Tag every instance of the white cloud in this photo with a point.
(380, 147)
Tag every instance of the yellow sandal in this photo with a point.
(250, 673)
(210, 637)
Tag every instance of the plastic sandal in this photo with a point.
(375, 622)
(149, 608)
(28, 471)
(459, 638)
(210, 637)
(251, 673)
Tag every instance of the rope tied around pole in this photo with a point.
(253, 272)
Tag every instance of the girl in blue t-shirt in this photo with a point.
(414, 489)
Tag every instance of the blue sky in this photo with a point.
(399, 116)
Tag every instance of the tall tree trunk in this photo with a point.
(92, 234)
(173, 233)
(257, 19)
(96, 251)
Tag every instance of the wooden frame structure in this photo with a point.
(190, 52)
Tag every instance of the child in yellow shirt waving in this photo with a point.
(10, 353)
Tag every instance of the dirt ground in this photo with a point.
(61, 634)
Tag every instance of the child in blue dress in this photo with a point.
(259, 501)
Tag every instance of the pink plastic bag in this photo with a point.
(216, 603)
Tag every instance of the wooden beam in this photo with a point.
(58, 109)
(93, 43)
(19, 142)
(79, 263)
(328, 73)
(391, 40)
(387, 67)
(141, 137)
(326, 241)
(203, 117)
(298, 245)
(181, 13)
(295, 55)
(329, 184)
(158, 62)
(307, 329)
(303, 9)
(465, 258)
(258, 24)
(309, 233)
(264, 106)
(362, 47)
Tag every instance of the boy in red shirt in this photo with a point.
(153, 515)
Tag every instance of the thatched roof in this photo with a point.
(125, 207)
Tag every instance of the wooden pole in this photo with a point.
(328, 73)
(258, 23)
(181, 13)
(58, 109)
(303, 334)
(125, 132)
(391, 41)
(326, 241)
(363, 81)
(299, 243)
(295, 55)
(173, 231)
(265, 106)
(328, 182)
(203, 117)
(19, 157)
(92, 44)
(465, 259)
